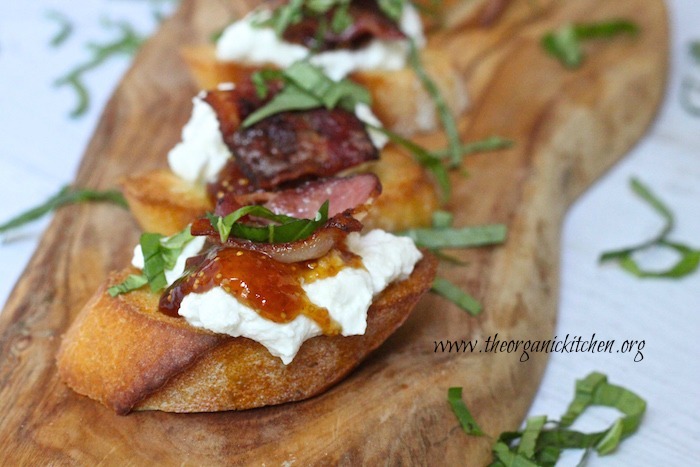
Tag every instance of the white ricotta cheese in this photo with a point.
(242, 41)
(365, 114)
(202, 153)
(347, 295)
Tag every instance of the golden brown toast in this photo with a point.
(122, 352)
(163, 202)
(398, 97)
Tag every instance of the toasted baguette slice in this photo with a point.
(163, 202)
(399, 99)
(123, 353)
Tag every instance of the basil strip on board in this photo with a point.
(424, 157)
(459, 297)
(466, 420)
(690, 258)
(288, 229)
(442, 235)
(492, 143)
(565, 43)
(448, 121)
(433, 161)
(464, 237)
(66, 196)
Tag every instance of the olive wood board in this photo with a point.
(568, 128)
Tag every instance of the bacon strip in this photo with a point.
(284, 147)
(292, 145)
(347, 196)
(369, 22)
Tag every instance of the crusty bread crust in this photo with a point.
(123, 353)
(398, 97)
(162, 202)
(409, 195)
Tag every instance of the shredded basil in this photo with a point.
(459, 297)
(66, 196)
(127, 43)
(492, 143)
(433, 160)
(528, 441)
(542, 441)
(442, 235)
(132, 282)
(448, 121)
(288, 229)
(341, 19)
(690, 86)
(565, 43)
(392, 8)
(294, 11)
(159, 254)
(307, 87)
(463, 237)
(466, 420)
(690, 258)
(424, 157)
(694, 50)
(65, 25)
(442, 219)
(285, 16)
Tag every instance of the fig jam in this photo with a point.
(271, 288)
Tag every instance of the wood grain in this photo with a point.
(569, 127)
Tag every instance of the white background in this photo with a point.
(40, 148)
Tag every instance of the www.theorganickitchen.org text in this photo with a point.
(569, 344)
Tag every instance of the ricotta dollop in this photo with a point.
(245, 41)
(347, 295)
(202, 153)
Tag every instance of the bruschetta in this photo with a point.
(371, 47)
(284, 148)
(238, 323)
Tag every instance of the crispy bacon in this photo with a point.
(347, 197)
(285, 147)
(369, 22)
(232, 106)
(293, 145)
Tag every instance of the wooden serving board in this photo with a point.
(568, 126)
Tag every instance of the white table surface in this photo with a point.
(40, 148)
